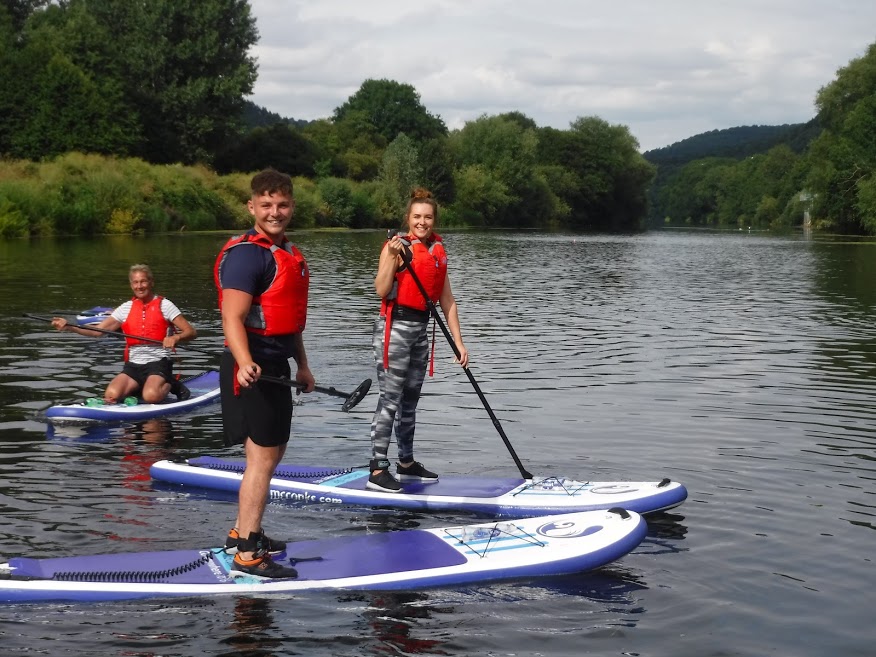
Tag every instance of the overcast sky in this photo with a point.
(667, 69)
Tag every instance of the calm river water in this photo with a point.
(742, 365)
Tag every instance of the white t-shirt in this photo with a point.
(140, 354)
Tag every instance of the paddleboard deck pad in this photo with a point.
(446, 556)
(512, 497)
(204, 388)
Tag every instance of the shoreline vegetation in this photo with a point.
(86, 194)
(132, 118)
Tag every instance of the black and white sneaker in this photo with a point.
(415, 472)
(384, 482)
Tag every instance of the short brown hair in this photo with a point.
(271, 181)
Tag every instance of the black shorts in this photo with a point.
(262, 412)
(163, 368)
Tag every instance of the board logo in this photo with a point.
(566, 529)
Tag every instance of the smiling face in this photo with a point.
(421, 220)
(142, 285)
(272, 212)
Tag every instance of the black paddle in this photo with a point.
(119, 334)
(406, 256)
(351, 399)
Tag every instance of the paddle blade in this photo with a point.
(357, 396)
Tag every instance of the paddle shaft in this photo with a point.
(269, 379)
(295, 384)
(118, 334)
(407, 257)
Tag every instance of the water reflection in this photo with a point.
(396, 620)
(143, 444)
(250, 630)
(157, 432)
(666, 525)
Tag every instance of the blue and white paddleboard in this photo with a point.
(93, 315)
(204, 388)
(513, 497)
(447, 556)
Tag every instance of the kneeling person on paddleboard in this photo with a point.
(400, 341)
(263, 283)
(148, 368)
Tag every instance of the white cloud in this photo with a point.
(668, 69)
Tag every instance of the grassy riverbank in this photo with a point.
(78, 194)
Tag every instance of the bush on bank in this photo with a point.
(84, 194)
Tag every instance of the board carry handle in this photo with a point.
(407, 257)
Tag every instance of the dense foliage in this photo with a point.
(819, 174)
(165, 82)
(740, 142)
(843, 163)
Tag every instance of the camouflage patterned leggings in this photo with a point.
(400, 386)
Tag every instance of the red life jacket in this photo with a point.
(429, 262)
(146, 321)
(282, 308)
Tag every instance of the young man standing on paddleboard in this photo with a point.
(148, 368)
(401, 344)
(263, 283)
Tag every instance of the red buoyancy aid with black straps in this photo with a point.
(282, 308)
(146, 321)
(429, 262)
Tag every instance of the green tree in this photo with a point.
(392, 108)
(68, 112)
(400, 171)
(867, 204)
(343, 204)
(480, 197)
(185, 64)
(360, 146)
(280, 146)
(19, 11)
(323, 136)
(844, 156)
(507, 151)
(690, 196)
(11, 92)
(615, 176)
(438, 163)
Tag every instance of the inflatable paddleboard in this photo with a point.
(204, 388)
(447, 556)
(512, 497)
(93, 315)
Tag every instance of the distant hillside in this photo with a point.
(732, 143)
(255, 116)
(736, 143)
